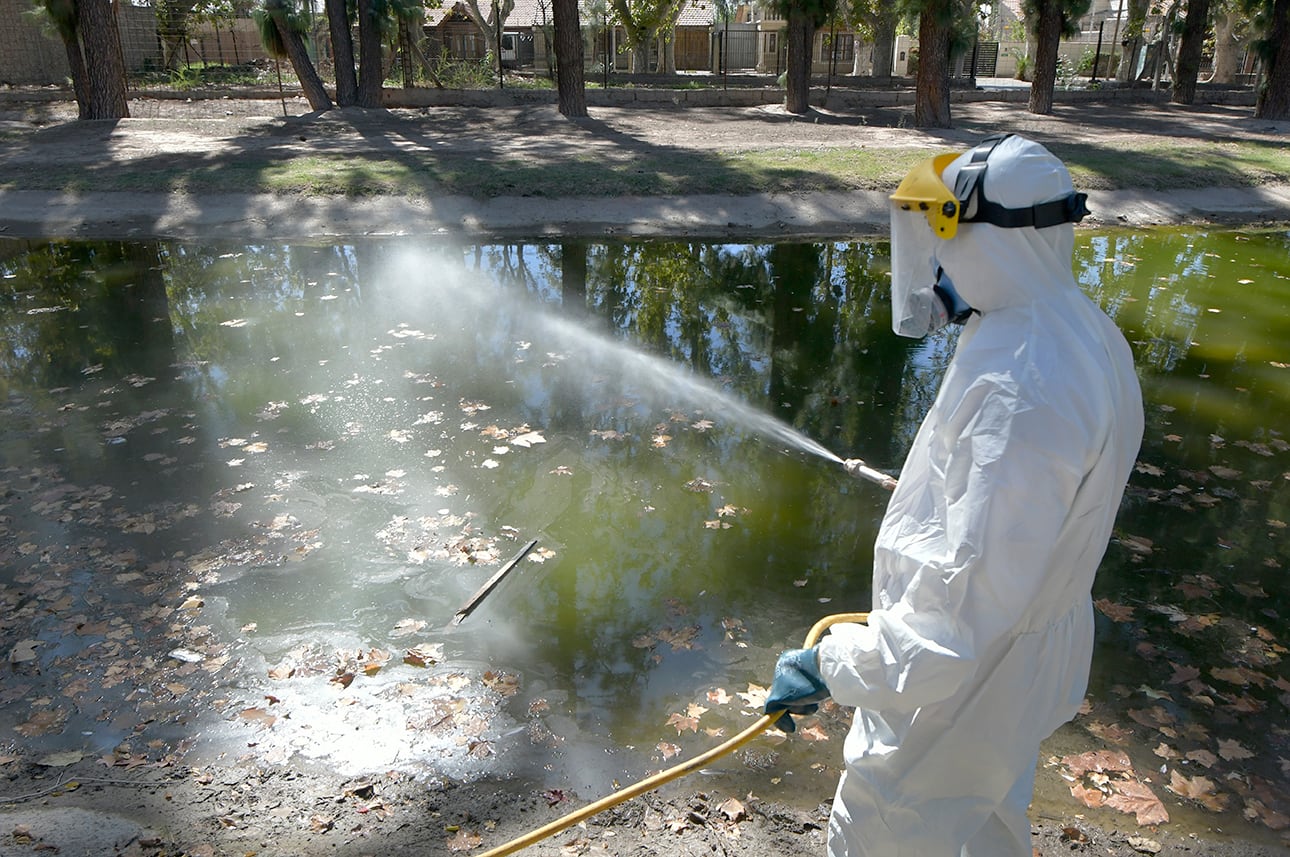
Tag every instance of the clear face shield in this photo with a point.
(924, 213)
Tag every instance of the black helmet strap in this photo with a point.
(969, 187)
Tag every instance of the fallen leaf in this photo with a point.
(668, 750)
(258, 716)
(1143, 845)
(41, 723)
(754, 697)
(60, 760)
(1200, 789)
(1114, 612)
(464, 841)
(812, 733)
(1099, 761)
(425, 654)
(407, 627)
(682, 723)
(24, 651)
(1137, 798)
(733, 809)
(1233, 750)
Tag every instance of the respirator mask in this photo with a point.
(925, 213)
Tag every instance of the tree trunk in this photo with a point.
(1274, 98)
(800, 40)
(1227, 48)
(640, 58)
(342, 50)
(1048, 35)
(932, 99)
(1131, 40)
(104, 65)
(310, 83)
(80, 83)
(1189, 50)
(884, 43)
(568, 59)
(370, 68)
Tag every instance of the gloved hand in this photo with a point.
(798, 687)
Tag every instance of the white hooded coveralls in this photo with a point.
(981, 636)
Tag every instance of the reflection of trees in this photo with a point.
(101, 308)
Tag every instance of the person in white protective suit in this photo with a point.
(980, 638)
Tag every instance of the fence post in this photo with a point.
(1097, 57)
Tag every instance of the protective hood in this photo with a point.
(996, 266)
(1010, 199)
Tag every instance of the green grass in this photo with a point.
(1160, 165)
(1163, 165)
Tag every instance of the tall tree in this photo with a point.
(1231, 31)
(1272, 18)
(62, 14)
(804, 18)
(932, 95)
(281, 31)
(643, 22)
(569, 71)
(1131, 42)
(371, 71)
(1048, 21)
(882, 34)
(490, 18)
(342, 51)
(100, 38)
(1195, 26)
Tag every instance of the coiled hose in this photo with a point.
(652, 782)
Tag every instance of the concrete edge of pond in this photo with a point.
(139, 216)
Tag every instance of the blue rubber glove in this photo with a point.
(798, 687)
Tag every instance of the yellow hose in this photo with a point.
(652, 782)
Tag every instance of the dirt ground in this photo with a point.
(247, 807)
(203, 132)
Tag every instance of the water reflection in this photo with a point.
(291, 465)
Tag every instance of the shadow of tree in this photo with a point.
(532, 151)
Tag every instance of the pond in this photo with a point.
(245, 490)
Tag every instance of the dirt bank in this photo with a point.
(235, 138)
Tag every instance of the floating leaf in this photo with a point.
(755, 696)
(719, 696)
(812, 733)
(407, 627)
(1200, 789)
(258, 717)
(682, 723)
(24, 651)
(1114, 612)
(425, 654)
(1233, 750)
(528, 439)
(668, 750)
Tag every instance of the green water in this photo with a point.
(240, 482)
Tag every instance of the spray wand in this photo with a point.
(856, 467)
